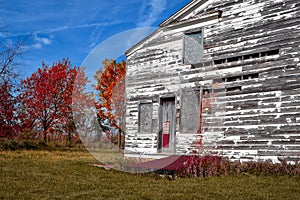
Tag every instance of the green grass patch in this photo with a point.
(69, 174)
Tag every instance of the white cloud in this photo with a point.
(37, 46)
(63, 28)
(40, 41)
(54, 30)
(95, 35)
(150, 12)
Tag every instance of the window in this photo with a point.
(239, 78)
(251, 76)
(247, 57)
(189, 113)
(195, 106)
(234, 78)
(145, 117)
(234, 89)
(192, 47)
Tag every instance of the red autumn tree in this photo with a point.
(8, 122)
(47, 98)
(111, 93)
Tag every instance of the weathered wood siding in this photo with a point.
(250, 64)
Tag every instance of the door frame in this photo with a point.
(162, 99)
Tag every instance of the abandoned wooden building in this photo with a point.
(218, 76)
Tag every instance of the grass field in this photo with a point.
(69, 174)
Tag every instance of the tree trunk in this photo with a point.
(45, 137)
(69, 137)
(120, 140)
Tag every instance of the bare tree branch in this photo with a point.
(8, 54)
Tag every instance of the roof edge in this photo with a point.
(129, 51)
(182, 11)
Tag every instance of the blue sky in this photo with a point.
(72, 29)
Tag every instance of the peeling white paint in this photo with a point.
(264, 113)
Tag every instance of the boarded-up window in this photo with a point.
(189, 113)
(145, 117)
(192, 48)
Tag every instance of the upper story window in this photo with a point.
(192, 51)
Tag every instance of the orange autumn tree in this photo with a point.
(111, 103)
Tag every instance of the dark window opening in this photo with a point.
(239, 78)
(272, 52)
(206, 92)
(247, 57)
(234, 59)
(234, 78)
(220, 14)
(255, 55)
(232, 89)
(221, 61)
(250, 76)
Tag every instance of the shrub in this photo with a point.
(19, 144)
(209, 166)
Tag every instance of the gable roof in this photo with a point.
(185, 11)
(183, 15)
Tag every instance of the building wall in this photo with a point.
(250, 65)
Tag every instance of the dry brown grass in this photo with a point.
(70, 175)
